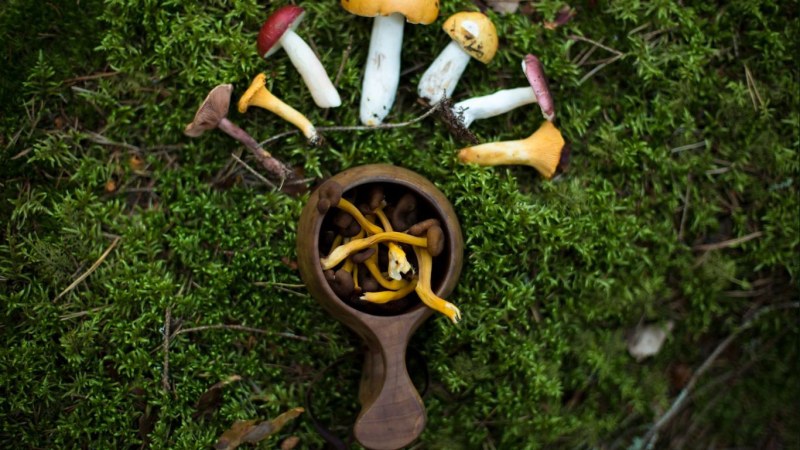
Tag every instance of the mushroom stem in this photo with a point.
(343, 251)
(491, 105)
(442, 76)
(425, 292)
(541, 150)
(372, 266)
(314, 75)
(258, 95)
(382, 71)
(534, 71)
(388, 296)
(269, 162)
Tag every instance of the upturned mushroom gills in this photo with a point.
(213, 113)
(388, 296)
(382, 71)
(258, 95)
(343, 251)
(542, 151)
(278, 32)
(473, 36)
(329, 195)
(425, 292)
(534, 71)
(398, 262)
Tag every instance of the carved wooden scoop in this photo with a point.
(392, 412)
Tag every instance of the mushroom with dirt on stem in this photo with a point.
(278, 32)
(213, 113)
(473, 36)
(382, 70)
(541, 150)
(258, 95)
(505, 100)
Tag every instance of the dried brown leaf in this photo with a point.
(290, 443)
(253, 431)
(565, 14)
(503, 6)
(211, 399)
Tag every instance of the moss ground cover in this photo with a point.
(680, 203)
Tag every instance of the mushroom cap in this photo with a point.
(258, 83)
(284, 19)
(475, 33)
(415, 11)
(534, 72)
(213, 109)
(329, 195)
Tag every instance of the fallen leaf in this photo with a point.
(564, 15)
(646, 341)
(503, 6)
(290, 443)
(212, 398)
(253, 431)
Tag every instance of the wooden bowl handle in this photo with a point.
(392, 414)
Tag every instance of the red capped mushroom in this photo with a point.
(278, 32)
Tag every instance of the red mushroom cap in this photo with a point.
(535, 73)
(282, 20)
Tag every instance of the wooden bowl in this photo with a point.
(392, 412)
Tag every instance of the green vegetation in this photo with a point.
(689, 139)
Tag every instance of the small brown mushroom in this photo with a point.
(213, 113)
(404, 213)
(435, 237)
(341, 282)
(329, 195)
(362, 256)
(421, 228)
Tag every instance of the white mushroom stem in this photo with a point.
(382, 71)
(311, 69)
(491, 105)
(442, 76)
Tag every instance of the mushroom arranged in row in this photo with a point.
(505, 100)
(213, 113)
(382, 70)
(278, 32)
(473, 36)
(541, 150)
(258, 95)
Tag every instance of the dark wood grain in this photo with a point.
(393, 414)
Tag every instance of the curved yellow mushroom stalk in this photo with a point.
(258, 95)
(541, 150)
(390, 296)
(424, 291)
(341, 252)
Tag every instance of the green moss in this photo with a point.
(555, 272)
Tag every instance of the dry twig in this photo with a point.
(94, 267)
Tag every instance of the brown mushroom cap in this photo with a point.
(415, 11)
(475, 33)
(420, 228)
(404, 213)
(376, 197)
(341, 282)
(435, 237)
(211, 112)
(329, 195)
(363, 255)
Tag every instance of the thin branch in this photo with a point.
(241, 328)
(686, 203)
(253, 171)
(688, 147)
(165, 348)
(685, 394)
(94, 267)
(93, 76)
(575, 37)
(729, 242)
(383, 126)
